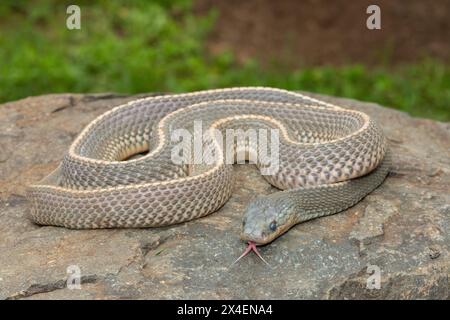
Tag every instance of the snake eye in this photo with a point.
(273, 225)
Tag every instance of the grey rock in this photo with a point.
(401, 230)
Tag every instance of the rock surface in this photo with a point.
(401, 230)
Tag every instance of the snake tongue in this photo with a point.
(251, 247)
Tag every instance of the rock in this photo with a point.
(393, 244)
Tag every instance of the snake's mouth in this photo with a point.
(257, 241)
(264, 238)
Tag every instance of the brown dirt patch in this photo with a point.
(319, 32)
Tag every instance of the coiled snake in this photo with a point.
(329, 159)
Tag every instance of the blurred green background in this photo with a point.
(161, 46)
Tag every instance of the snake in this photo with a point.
(120, 172)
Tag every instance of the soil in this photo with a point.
(321, 32)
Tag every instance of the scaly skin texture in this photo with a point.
(270, 216)
(329, 159)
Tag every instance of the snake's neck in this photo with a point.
(310, 203)
(303, 207)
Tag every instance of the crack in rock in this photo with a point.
(148, 246)
(38, 288)
(70, 104)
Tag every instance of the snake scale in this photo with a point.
(329, 159)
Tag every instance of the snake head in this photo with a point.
(268, 217)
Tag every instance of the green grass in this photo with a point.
(160, 46)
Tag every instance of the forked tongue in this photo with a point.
(251, 247)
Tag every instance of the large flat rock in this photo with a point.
(401, 229)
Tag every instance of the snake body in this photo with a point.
(329, 159)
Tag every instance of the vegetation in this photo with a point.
(155, 46)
